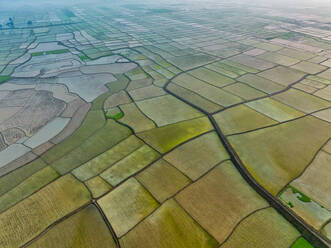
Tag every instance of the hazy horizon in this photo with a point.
(22, 3)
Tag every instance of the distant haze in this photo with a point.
(16, 4)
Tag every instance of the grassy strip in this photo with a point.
(302, 197)
(4, 78)
(302, 243)
(60, 51)
(37, 54)
(84, 57)
(116, 116)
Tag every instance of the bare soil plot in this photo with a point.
(60, 92)
(3, 144)
(72, 107)
(47, 132)
(7, 112)
(39, 107)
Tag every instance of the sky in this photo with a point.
(4, 4)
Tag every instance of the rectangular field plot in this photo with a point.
(282, 75)
(210, 92)
(193, 98)
(165, 138)
(244, 91)
(302, 101)
(190, 61)
(43, 208)
(282, 151)
(279, 59)
(171, 223)
(265, 228)
(261, 83)
(219, 200)
(86, 228)
(241, 119)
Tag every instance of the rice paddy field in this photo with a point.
(190, 124)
